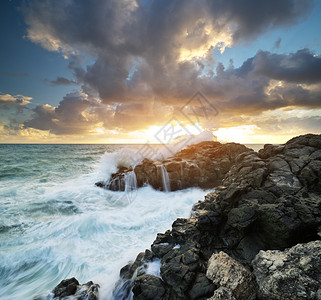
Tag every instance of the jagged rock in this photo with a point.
(222, 293)
(179, 269)
(71, 289)
(267, 200)
(225, 272)
(202, 287)
(203, 165)
(291, 274)
(66, 287)
(149, 287)
(127, 275)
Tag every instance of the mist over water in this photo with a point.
(55, 223)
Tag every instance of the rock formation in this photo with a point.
(268, 201)
(71, 289)
(292, 274)
(231, 277)
(203, 165)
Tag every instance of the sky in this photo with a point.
(126, 71)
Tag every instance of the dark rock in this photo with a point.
(270, 150)
(202, 287)
(100, 184)
(241, 217)
(179, 268)
(66, 287)
(203, 165)
(149, 287)
(71, 287)
(185, 229)
(269, 200)
(161, 249)
(310, 175)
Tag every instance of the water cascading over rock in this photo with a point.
(203, 165)
(161, 169)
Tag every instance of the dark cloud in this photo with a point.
(72, 116)
(300, 67)
(265, 82)
(277, 43)
(158, 47)
(61, 81)
(247, 90)
(252, 17)
(13, 111)
(79, 114)
(283, 125)
(149, 58)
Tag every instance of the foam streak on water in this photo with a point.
(55, 223)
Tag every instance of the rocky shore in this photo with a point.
(256, 237)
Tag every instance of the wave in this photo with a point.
(131, 156)
(65, 226)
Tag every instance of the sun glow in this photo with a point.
(239, 134)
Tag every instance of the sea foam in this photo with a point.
(67, 226)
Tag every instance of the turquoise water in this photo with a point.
(55, 223)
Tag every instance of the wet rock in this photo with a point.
(149, 287)
(203, 165)
(100, 184)
(269, 200)
(202, 287)
(241, 217)
(128, 273)
(185, 229)
(291, 274)
(310, 175)
(236, 280)
(179, 268)
(66, 287)
(70, 288)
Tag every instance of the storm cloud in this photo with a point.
(61, 81)
(149, 58)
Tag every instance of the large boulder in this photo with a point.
(203, 165)
(294, 273)
(71, 289)
(227, 273)
(149, 287)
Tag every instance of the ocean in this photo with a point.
(56, 224)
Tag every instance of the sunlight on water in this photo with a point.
(55, 223)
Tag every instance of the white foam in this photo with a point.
(153, 268)
(130, 157)
(110, 162)
(162, 244)
(70, 228)
(183, 141)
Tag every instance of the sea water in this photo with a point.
(56, 224)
